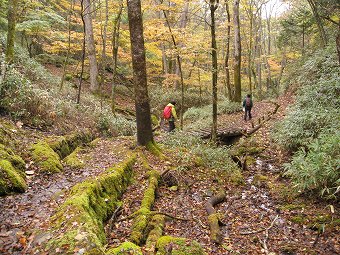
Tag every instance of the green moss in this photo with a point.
(138, 234)
(155, 149)
(299, 219)
(78, 222)
(7, 154)
(180, 246)
(260, 181)
(282, 192)
(125, 248)
(215, 233)
(155, 229)
(291, 207)
(47, 160)
(10, 179)
(154, 120)
(73, 160)
(64, 145)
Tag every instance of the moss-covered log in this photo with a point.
(73, 160)
(143, 215)
(213, 219)
(48, 154)
(78, 222)
(155, 229)
(65, 145)
(125, 248)
(47, 160)
(11, 179)
(175, 245)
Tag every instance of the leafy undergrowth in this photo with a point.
(260, 213)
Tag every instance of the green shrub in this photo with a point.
(317, 168)
(317, 102)
(211, 155)
(111, 125)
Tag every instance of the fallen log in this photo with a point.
(213, 218)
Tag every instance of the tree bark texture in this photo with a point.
(237, 52)
(226, 61)
(91, 49)
(115, 47)
(142, 106)
(11, 18)
(213, 7)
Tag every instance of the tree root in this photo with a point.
(213, 218)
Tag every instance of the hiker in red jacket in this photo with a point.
(247, 104)
(169, 114)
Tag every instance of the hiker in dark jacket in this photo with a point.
(247, 104)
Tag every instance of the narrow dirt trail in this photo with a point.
(23, 213)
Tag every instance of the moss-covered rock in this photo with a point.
(10, 179)
(125, 248)
(73, 160)
(78, 223)
(47, 160)
(180, 246)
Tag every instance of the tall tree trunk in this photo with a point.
(237, 52)
(226, 61)
(11, 18)
(250, 60)
(91, 49)
(213, 7)
(115, 44)
(69, 16)
(83, 52)
(318, 22)
(142, 106)
(258, 49)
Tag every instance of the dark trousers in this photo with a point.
(171, 125)
(247, 111)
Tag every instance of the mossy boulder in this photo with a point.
(78, 222)
(179, 246)
(125, 248)
(73, 160)
(11, 180)
(47, 160)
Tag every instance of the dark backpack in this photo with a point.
(248, 102)
(167, 112)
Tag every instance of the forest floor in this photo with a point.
(261, 216)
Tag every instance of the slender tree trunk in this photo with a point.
(144, 129)
(226, 61)
(251, 19)
(103, 61)
(11, 18)
(69, 16)
(318, 22)
(91, 46)
(237, 52)
(83, 52)
(115, 44)
(213, 7)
